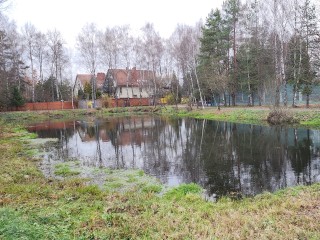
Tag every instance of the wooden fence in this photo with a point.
(122, 102)
(131, 102)
(111, 103)
(37, 106)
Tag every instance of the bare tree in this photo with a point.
(184, 43)
(29, 32)
(10, 61)
(110, 47)
(4, 5)
(88, 47)
(153, 50)
(57, 58)
(39, 51)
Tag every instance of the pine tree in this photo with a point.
(16, 99)
(310, 35)
(214, 51)
(231, 14)
(88, 90)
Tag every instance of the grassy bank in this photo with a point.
(257, 115)
(33, 207)
(30, 116)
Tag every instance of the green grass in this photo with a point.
(33, 207)
(36, 116)
(304, 117)
(183, 190)
(65, 170)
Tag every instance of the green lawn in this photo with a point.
(33, 207)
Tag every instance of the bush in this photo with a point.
(106, 101)
(279, 116)
(185, 100)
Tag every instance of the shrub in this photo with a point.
(279, 116)
(106, 101)
(185, 100)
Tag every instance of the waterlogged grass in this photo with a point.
(33, 207)
(65, 170)
(126, 180)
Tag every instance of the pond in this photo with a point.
(224, 158)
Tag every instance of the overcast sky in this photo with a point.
(69, 16)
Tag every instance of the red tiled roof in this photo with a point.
(135, 76)
(100, 79)
(86, 78)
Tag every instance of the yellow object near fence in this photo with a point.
(163, 100)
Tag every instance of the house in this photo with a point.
(83, 79)
(127, 84)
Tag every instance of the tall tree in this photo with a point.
(58, 59)
(17, 99)
(232, 11)
(29, 33)
(311, 36)
(40, 52)
(10, 60)
(153, 51)
(214, 56)
(88, 47)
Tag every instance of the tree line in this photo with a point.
(258, 49)
(261, 48)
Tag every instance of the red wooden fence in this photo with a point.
(123, 102)
(46, 106)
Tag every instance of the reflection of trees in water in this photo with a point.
(222, 157)
(251, 159)
(62, 131)
(155, 150)
(300, 154)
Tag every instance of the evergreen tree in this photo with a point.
(310, 35)
(87, 90)
(16, 99)
(214, 51)
(231, 9)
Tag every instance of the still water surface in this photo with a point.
(222, 157)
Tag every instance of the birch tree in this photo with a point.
(88, 48)
(29, 32)
(57, 58)
(153, 50)
(40, 51)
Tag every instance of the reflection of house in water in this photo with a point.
(120, 131)
(88, 132)
(52, 129)
(222, 157)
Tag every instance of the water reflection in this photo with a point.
(222, 157)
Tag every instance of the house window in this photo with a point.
(121, 90)
(134, 95)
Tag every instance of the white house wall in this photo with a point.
(131, 92)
